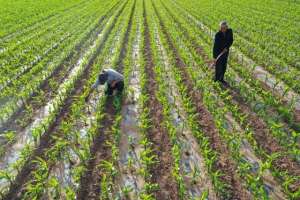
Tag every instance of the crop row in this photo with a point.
(259, 97)
(23, 59)
(28, 17)
(66, 123)
(286, 72)
(173, 133)
(53, 65)
(55, 105)
(186, 42)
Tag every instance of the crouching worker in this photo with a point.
(113, 79)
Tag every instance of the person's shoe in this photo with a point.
(224, 83)
(109, 94)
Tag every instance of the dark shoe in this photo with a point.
(109, 93)
(224, 83)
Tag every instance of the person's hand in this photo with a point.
(224, 50)
(113, 84)
(213, 62)
(86, 98)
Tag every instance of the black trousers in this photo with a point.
(221, 66)
(119, 87)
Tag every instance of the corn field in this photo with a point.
(174, 133)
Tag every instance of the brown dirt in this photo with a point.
(100, 150)
(158, 135)
(125, 41)
(90, 182)
(200, 51)
(297, 116)
(295, 120)
(47, 140)
(262, 134)
(57, 76)
(17, 188)
(206, 122)
(266, 141)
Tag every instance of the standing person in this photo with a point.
(113, 79)
(222, 43)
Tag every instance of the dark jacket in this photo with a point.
(222, 41)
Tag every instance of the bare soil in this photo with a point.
(266, 141)
(46, 91)
(158, 135)
(262, 134)
(206, 122)
(47, 140)
(100, 150)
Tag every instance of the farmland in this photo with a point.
(174, 133)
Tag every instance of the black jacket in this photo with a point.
(222, 41)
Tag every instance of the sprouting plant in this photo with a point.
(37, 186)
(126, 190)
(204, 195)
(151, 187)
(108, 167)
(148, 158)
(117, 102)
(39, 97)
(10, 136)
(131, 94)
(29, 110)
(105, 189)
(286, 90)
(36, 134)
(195, 175)
(55, 153)
(53, 184)
(130, 162)
(145, 196)
(6, 175)
(70, 193)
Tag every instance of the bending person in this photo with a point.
(113, 79)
